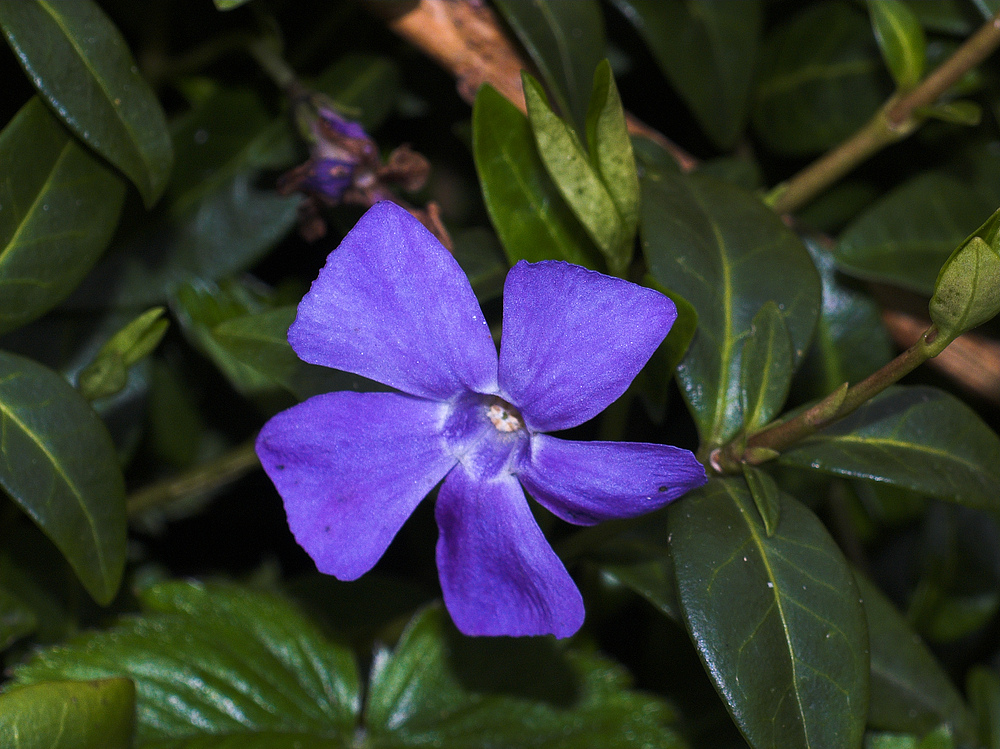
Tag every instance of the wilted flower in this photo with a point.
(392, 305)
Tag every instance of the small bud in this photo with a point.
(107, 374)
(967, 292)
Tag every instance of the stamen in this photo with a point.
(504, 417)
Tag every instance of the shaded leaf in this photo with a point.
(901, 39)
(904, 238)
(81, 66)
(481, 256)
(565, 40)
(69, 715)
(259, 740)
(983, 688)
(765, 367)
(810, 94)
(776, 619)
(229, 4)
(16, 618)
(766, 496)
(367, 84)
(708, 51)
(727, 254)
(909, 689)
(444, 689)
(74, 491)
(60, 206)
(216, 659)
(530, 216)
(917, 437)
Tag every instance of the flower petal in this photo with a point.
(588, 482)
(574, 339)
(498, 573)
(391, 304)
(351, 467)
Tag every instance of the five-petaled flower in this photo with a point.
(392, 304)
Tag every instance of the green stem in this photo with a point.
(201, 479)
(272, 63)
(894, 121)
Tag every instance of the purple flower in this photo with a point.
(392, 304)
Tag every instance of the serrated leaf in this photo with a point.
(904, 238)
(216, 659)
(916, 437)
(16, 618)
(765, 367)
(909, 689)
(74, 490)
(565, 40)
(80, 64)
(727, 254)
(441, 688)
(530, 216)
(901, 40)
(776, 619)
(60, 206)
(576, 178)
(811, 96)
(69, 715)
(708, 51)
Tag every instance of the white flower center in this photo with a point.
(504, 416)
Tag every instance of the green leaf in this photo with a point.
(107, 374)
(766, 496)
(74, 489)
(765, 367)
(259, 740)
(961, 112)
(916, 437)
(82, 67)
(576, 178)
(810, 95)
(901, 39)
(16, 618)
(955, 17)
(229, 4)
(478, 251)
(60, 208)
(366, 83)
(440, 688)
(530, 216)
(69, 715)
(983, 688)
(216, 659)
(907, 235)
(909, 689)
(776, 619)
(708, 51)
(721, 249)
(565, 40)
(610, 149)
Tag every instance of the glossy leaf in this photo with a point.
(907, 235)
(257, 740)
(765, 367)
(776, 619)
(916, 437)
(69, 715)
(901, 40)
(16, 618)
(727, 254)
(708, 51)
(60, 206)
(565, 40)
(82, 67)
(766, 496)
(443, 689)
(531, 218)
(811, 96)
(909, 689)
(577, 180)
(216, 659)
(74, 491)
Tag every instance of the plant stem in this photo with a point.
(271, 62)
(895, 120)
(203, 478)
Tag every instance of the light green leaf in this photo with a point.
(530, 216)
(74, 490)
(216, 659)
(901, 40)
(107, 374)
(69, 715)
(765, 368)
(810, 95)
(916, 437)
(708, 51)
(905, 237)
(82, 67)
(576, 178)
(727, 254)
(60, 206)
(776, 619)
(565, 40)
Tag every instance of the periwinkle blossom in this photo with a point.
(391, 304)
